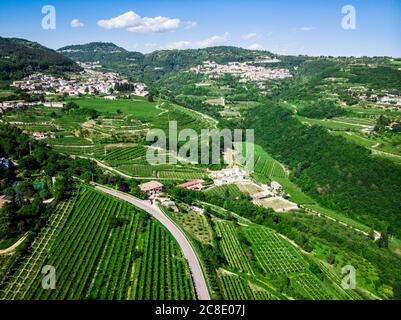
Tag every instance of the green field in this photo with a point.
(95, 259)
(235, 287)
(195, 224)
(332, 124)
(222, 191)
(141, 110)
(274, 254)
(231, 247)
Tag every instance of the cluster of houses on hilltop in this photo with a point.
(89, 82)
(244, 70)
(92, 82)
(380, 97)
(228, 175)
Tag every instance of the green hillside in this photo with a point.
(19, 58)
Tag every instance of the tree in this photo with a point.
(383, 241)
(385, 291)
(7, 213)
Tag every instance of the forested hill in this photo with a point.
(339, 174)
(153, 66)
(19, 58)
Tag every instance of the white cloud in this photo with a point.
(250, 36)
(75, 23)
(190, 24)
(125, 20)
(214, 40)
(308, 28)
(133, 22)
(157, 24)
(255, 46)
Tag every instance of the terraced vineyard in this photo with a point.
(162, 172)
(312, 287)
(222, 191)
(231, 246)
(124, 153)
(275, 255)
(104, 249)
(236, 288)
(266, 165)
(195, 224)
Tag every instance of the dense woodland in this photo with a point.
(19, 58)
(339, 174)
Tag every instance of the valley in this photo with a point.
(324, 192)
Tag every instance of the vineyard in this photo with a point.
(124, 153)
(266, 165)
(235, 287)
(195, 224)
(231, 247)
(167, 172)
(312, 288)
(275, 255)
(104, 249)
(224, 191)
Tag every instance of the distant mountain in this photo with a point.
(19, 57)
(154, 66)
(93, 48)
(109, 55)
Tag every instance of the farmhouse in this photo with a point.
(192, 185)
(151, 188)
(262, 194)
(276, 186)
(40, 135)
(110, 97)
(228, 176)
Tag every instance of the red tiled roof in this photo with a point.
(149, 186)
(190, 183)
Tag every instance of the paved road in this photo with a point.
(14, 246)
(188, 251)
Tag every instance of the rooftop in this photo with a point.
(149, 186)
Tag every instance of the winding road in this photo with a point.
(189, 253)
(14, 246)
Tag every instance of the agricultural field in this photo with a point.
(332, 124)
(166, 172)
(274, 254)
(231, 246)
(194, 224)
(5, 262)
(222, 191)
(311, 287)
(124, 153)
(113, 248)
(265, 168)
(70, 141)
(139, 109)
(235, 287)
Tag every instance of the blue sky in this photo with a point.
(287, 26)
